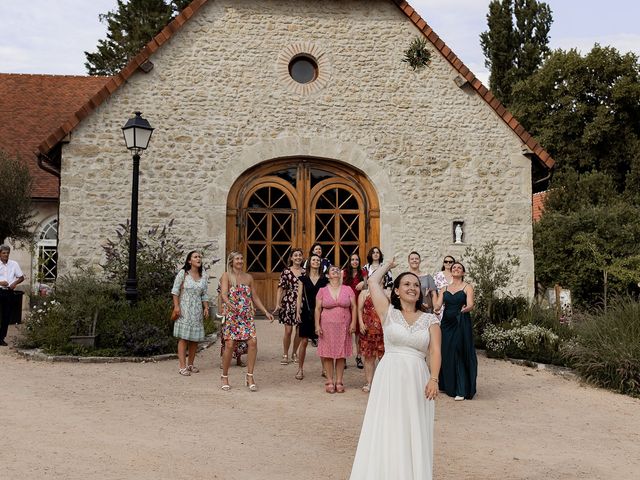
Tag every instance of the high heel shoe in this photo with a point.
(225, 386)
(252, 386)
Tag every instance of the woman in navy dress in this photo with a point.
(459, 361)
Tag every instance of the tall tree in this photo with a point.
(516, 43)
(129, 27)
(16, 214)
(585, 110)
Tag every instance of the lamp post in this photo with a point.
(137, 133)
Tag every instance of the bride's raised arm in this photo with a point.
(378, 295)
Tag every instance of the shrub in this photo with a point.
(606, 350)
(489, 275)
(526, 341)
(141, 330)
(159, 252)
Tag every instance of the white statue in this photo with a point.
(458, 233)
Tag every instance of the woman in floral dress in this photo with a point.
(190, 306)
(241, 347)
(374, 261)
(286, 302)
(443, 279)
(371, 338)
(238, 299)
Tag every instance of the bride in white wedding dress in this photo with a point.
(396, 441)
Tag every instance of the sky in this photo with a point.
(51, 36)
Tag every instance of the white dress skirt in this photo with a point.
(396, 441)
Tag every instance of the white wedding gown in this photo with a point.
(396, 441)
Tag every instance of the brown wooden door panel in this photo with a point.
(289, 203)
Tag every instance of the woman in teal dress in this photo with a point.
(459, 362)
(190, 306)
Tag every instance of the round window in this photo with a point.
(303, 69)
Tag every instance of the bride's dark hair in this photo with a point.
(395, 299)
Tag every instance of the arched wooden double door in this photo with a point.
(288, 203)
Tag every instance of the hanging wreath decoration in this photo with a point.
(417, 55)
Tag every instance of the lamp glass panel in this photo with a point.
(142, 138)
(129, 137)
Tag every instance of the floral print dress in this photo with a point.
(189, 325)
(239, 324)
(371, 342)
(288, 304)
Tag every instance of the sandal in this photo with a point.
(285, 360)
(329, 387)
(300, 375)
(340, 387)
(294, 358)
(252, 386)
(359, 363)
(184, 371)
(366, 388)
(193, 369)
(225, 386)
(324, 374)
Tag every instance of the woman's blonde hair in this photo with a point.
(230, 257)
(229, 266)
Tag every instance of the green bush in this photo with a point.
(490, 274)
(523, 340)
(121, 329)
(606, 350)
(159, 252)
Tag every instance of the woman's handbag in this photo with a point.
(174, 314)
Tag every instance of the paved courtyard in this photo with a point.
(144, 421)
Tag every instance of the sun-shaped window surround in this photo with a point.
(304, 68)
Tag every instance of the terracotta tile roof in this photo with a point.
(31, 106)
(175, 25)
(538, 205)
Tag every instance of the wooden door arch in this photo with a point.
(294, 202)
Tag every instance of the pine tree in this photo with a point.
(516, 43)
(129, 28)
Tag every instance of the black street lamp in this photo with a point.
(137, 133)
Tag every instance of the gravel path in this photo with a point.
(144, 421)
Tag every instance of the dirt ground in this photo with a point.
(144, 421)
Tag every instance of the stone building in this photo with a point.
(280, 123)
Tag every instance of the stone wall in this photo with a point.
(221, 101)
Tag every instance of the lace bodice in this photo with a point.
(398, 334)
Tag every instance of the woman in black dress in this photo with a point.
(310, 282)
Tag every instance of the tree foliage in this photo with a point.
(576, 248)
(585, 110)
(16, 214)
(129, 28)
(516, 43)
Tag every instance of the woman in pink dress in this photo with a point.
(335, 319)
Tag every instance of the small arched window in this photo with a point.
(47, 250)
